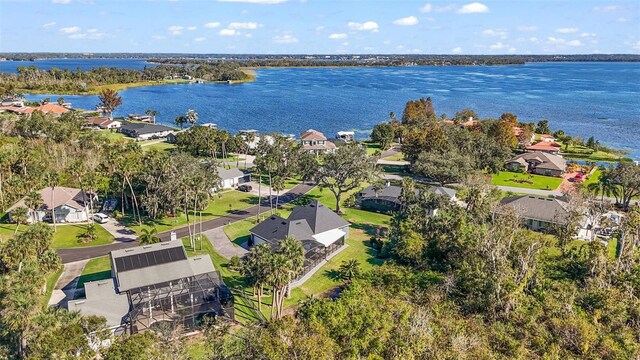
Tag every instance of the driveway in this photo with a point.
(222, 244)
(119, 231)
(65, 288)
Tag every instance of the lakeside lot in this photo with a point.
(522, 180)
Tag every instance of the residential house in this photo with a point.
(538, 162)
(388, 198)
(542, 214)
(547, 138)
(69, 204)
(103, 123)
(321, 231)
(544, 146)
(51, 108)
(157, 285)
(140, 131)
(315, 141)
(230, 178)
(346, 136)
(466, 124)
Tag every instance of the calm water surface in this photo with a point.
(584, 99)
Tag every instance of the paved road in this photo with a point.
(77, 254)
(530, 191)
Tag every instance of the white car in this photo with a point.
(100, 218)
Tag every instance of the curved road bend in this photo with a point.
(77, 254)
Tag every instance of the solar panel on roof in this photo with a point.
(143, 260)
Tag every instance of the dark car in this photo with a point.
(245, 188)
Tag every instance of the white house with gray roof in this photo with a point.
(231, 178)
(542, 213)
(321, 231)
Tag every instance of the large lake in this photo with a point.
(584, 99)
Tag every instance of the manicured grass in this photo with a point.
(372, 147)
(530, 181)
(593, 178)
(288, 184)
(112, 136)
(396, 157)
(66, 236)
(218, 206)
(159, 145)
(7, 231)
(52, 279)
(96, 269)
(583, 152)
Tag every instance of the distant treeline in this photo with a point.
(336, 60)
(57, 80)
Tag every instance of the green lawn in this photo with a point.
(66, 236)
(96, 269)
(594, 177)
(218, 206)
(530, 181)
(396, 157)
(52, 279)
(583, 152)
(7, 231)
(160, 146)
(372, 147)
(288, 184)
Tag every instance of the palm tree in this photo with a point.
(248, 140)
(180, 121)
(279, 275)
(109, 100)
(53, 179)
(149, 237)
(33, 200)
(20, 215)
(292, 249)
(152, 113)
(255, 269)
(349, 269)
(192, 117)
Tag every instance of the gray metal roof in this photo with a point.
(102, 300)
(538, 208)
(393, 193)
(154, 267)
(302, 224)
(144, 128)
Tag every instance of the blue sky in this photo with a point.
(320, 26)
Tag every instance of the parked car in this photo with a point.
(245, 188)
(100, 218)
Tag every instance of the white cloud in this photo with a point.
(590, 36)
(212, 25)
(346, 43)
(49, 24)
(428, 8)
(175, 29)
(637, 46)
(369, 48)
(527, 28)
(366, 26)
(574, 43)
(567, 30)
(534, 39)
(495, 33)
(227, 32)
(268, 2)
(474, 8)
(406, 21)
(387, 42)
(244, 25)
(497, 46)
(623, 20)
(64, 2)
(88, 36)
(320, 28)
(338, 36)
(284, 39)
(248, 35)
(92, 30)
(199, 39)
(158, 37)
(456, 50)
(70, 30)
(607, 9)
(555, 41)
(191, 28)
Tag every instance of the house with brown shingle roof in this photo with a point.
(103, 123)
(70, 205)
(315, 141)
(544, 146)
(51, 108)
(538, 162)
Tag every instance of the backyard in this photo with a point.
(530, 181)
